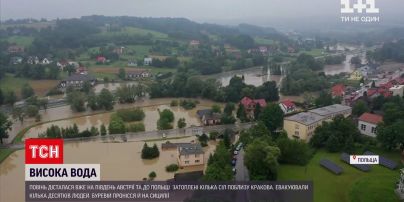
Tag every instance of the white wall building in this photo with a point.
(367, 123)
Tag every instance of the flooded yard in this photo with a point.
(111, 86)
(253, 76)
(118, 161)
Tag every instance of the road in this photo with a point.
(150, 135)
(242, 172)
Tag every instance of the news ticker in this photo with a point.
(53, 191)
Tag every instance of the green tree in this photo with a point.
(229, 108)
(122, 73)
(219, 168)
(152, 175)
(103, 130)
(27, 91)
(5, 126)
(92, 101)
(241, 113)
(181, 123)
(76, 99)
(272, 117)
(1, 97)
(324, 99)
(359, 108)
(391, 136)
(18, 113)
(261, 160)
(10, 98)
(293, 151)
(167, 114)
(31, 110)
(106, 99)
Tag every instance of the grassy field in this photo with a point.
(263, 41)
(134, 31)
(41, 87)
(4, 153)
(25, 41)
(351, 185)
(314, 52)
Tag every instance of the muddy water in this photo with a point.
(119, 161)
(64, 112)
(150, 120)
(111, 86)
(252, 76)
(345, 67)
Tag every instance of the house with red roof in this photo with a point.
(287, 106)
(367, 123)
(250, 105)
(338, 90)
(101, 59)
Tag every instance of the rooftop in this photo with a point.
(327, 110)
(371, 118)
(306, 118)
(186, 149)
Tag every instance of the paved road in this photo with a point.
(150, 135)
(242, 172)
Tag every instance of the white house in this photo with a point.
(367, 123)
(397, 90)
(148, 61)
(287, 106)
(46, 61)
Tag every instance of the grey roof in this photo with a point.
(305, 118)
(80, 77)
(203, 112)
(327, 110)
(186, 149)
(169, 145)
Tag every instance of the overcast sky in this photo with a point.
(260, 12)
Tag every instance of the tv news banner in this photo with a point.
(48, 178)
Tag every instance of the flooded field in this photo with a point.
(253, 76)
(150, 120)
(118, 160)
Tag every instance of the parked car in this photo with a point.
(234, 170)
(233, 162)
(235, 152)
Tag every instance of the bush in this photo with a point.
(172, 168)
(174, 103)
(136, 127)
(213, 135)
(188, 104)
(152, 175)
(116, 125)
(129, 115)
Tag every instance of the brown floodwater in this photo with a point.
(344, 67)
(253, 76)
(150, 120)
(118, 161)
(111, 86)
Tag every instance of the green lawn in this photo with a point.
(313, 52)
(4, 153)
(9, 82)
(351, 185)
(25, 41)
(132, 31)
(263, 41)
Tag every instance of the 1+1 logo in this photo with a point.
(353, 10)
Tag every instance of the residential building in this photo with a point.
(329, 112)
(137, 73)
(367, 123)
(46, 61)
(208, 117)
(194, 43)
(190, 155)
(132, 63)
(15, 49)
(397, 90)
(147, 61)
(16, 60)
(101, 59)
(302, 125)
(263, 49)
(33, 60)
(77, 81)
(250, 105)
(119, 50)
(287, 106)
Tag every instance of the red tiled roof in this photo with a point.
(247, 101)
(288, 103)
(371, 118)
(338, 90)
